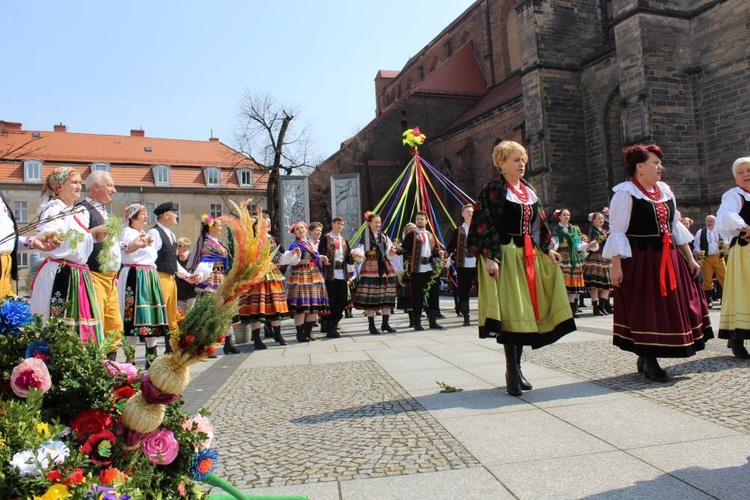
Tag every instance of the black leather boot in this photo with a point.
(267, 331)
(333, 330)
(597, 307)
(432, 319)
(277, 335)
(257, 343)
(411, 319)
(465, 313)
(417, 321)
(652, 370)
(384, 326)
(308, 330)
(512, 381)
(603, 306)
(371, 323)
(301, 337)
(608, 306)
(325, 325)
(573, 309)
(525, 384)
(151, 355)
(229, 347)
(738, 348)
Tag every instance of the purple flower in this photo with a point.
(32, 373)
(14, 315)
(39, 350)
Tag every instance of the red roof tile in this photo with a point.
(459, 74)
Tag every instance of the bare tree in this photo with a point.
(266, 135)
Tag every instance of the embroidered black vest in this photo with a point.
(644, 229)
(95, 219)
(166, 257)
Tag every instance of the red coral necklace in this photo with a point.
(522, 194)
(655, 196)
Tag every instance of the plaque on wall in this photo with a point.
(293, 205)
(345, 202)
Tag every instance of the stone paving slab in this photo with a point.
(318, 423)
(710, 385)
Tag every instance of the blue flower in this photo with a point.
(106, 493)
(203, 464)
(39, 349)
(14, 315)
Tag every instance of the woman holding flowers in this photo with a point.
(64, 276)
(210, 261)
(376, 290)
(567, 238)
(596, 268)
(144, 314)
(306, 293)
(522, 295)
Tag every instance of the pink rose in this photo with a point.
(199, 423)
(122, 370)
(31, 374)
(160, 446)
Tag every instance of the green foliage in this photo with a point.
(448, 388)
(113, 226)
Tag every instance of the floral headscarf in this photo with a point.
(56, 179)
(131, 211)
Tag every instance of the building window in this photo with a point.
(151, 216)
(32, 171)
(161, 175)
(103, 166)
(215, 209)
(212, 175)
(245, 177)
(21, 212)
(179, 212)
(23, 259)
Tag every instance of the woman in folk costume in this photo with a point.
(510, 237)
(733, 223)
(266, 301)
(596, 269)
(64, 277)
(144, 315)
(306, 293)
(210, 260)
(661, 311)
(567, 238)
(376, 290)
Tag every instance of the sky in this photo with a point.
(178, 69)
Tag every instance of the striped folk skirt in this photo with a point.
(596, 271)
(73, 284)
(144, 313)
(265, 301)
(306, 290)
(573, 276)
(647, 324)
(374, 291)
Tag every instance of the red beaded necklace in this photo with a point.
(522, 194)
(655, 196)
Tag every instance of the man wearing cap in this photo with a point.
(165, 243)
(100, 189)
(9, 248)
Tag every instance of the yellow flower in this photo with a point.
(43, 428)
(55, 492)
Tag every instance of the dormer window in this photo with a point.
(212, 176)
(101, 166)
(161, 175)
(245, 177)
(32, 171)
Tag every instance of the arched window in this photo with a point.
(245, 178)
(103, 166)
(212, 175)
(161, 175)
(32, 171)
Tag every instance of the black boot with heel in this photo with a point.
(371, 325)
(384, 326)
(257, 343)
(512, 380)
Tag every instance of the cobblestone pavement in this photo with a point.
(711, 385)
(316, 423)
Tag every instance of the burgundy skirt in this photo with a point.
(645, 323)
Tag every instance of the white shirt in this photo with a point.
(181, 272)
(711, 236)
(728, 221)
(145, 256)
(115, 257)
(6, 228)
(619, 219)
(468, 261)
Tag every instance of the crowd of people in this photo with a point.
(531, 274)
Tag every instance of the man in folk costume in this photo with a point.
(9, 249)
(708, 243)
(466, 265)
(336, 248)
(167, 266)
(420, 248)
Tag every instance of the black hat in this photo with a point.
(165, 207)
